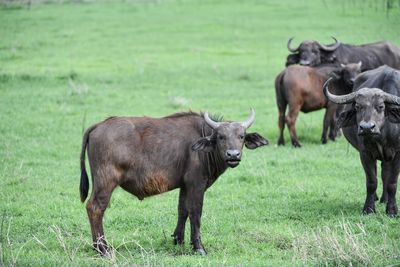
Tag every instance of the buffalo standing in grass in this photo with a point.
(147, 156)
(313, 53)
(300, 88)
(371, 124)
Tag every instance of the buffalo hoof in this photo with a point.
(281, 142)
(324, 141)
(296, 143)
(178, 240)
(368, 210)
(200, 251)
(391, 211)
(383, 199)
(102, 248)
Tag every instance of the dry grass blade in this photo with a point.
(345, 244)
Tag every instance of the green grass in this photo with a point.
(65, 66)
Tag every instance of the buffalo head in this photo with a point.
(348, 73)
(228, 139)
(371, 107)
(311, 53)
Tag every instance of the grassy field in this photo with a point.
(67, 65)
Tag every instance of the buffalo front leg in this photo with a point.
(329, 122)
(369, 165)
(96, 207)
(392, 170)
(179, 233)
(385, 173)
(194, 205)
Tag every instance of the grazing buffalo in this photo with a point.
(147, 156)
(313, 53)
(370, 123)
(300, 87)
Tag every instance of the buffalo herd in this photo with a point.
(358, 85)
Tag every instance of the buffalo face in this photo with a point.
(371, 108)
(350, 72)
(228, 139)
(310, 53)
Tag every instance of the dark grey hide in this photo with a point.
(148, 156)
(313, 53)
(370, 123)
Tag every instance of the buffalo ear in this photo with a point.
(393, 114)
(204, 144)
(254, 140)
(347, 118)
(336, 74)
(292, 59)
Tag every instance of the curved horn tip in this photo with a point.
(289, 47)
(210, 122)
(330, 48)
(250, 119)
(338, 99)
(325, 86)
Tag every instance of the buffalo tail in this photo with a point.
(84, 185)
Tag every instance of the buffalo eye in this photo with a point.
(380, 108)
(221, 137)
(241, 137)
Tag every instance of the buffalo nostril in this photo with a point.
(367, 125)
(233, 153)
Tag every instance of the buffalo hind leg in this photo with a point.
(281, 124)
(291, 123)
(179, 233)
(369, 166)
(392, 170)
(96, 207)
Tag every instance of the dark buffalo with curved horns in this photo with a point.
(148, 156)
(370, 123)
(313, 53)
(300, 88)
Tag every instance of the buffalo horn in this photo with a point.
(293, 50)
(247, 123)
(330, 48)
(210, 122)
(392, 99)
(338, 99)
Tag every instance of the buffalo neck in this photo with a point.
(216, 165)
(379, 146)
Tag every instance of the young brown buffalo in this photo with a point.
(147, 156)
(300, 88)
